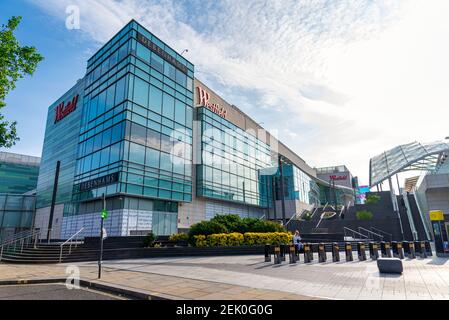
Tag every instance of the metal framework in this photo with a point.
(408, 157)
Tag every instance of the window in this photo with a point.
(155, 99)
(101, 104)
(123, 52)
(168, 109)
(138, 134)
(107, 137)
(93, 108)
(189, 117)
(110, 97)
(117, 133)
(180, 112)
(136, 153)
(120, 91)
(166, 163)
(104, 157)
(143, 53)
(141, 89)
(97, 142)
(170, 71)
(152, 158)
(95, 161)
(181, 78)
(166, 143)
(115, 153)
(153, 139)
(157, 63)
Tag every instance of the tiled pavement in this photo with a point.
(171, 287)
(248, 277)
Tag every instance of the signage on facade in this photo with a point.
(63, 111)
(160, 52)
(204, 100)
(338, 178)
(99, 182)
(436, 215)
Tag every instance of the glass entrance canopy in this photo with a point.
(407, 157)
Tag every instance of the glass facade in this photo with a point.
(18, 173)
(299, 186)
(16, 213)
(137, 119)
(232, 162)
(60, 144)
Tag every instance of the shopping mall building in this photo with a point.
(164, 148)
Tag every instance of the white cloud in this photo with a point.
(344, 80)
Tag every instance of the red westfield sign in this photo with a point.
(203, 100)
(338, 178)
(63, 111)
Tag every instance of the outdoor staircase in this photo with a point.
(47, 253)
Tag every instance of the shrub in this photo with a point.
(200, 241)
(205, 228)
(149, 239)
(225, 239)
(364, 215)
(372, 199)
(274, 238)
(307, 216)
(230, 221)
(179, 237)
(233, 223)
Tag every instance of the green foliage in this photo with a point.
(372, 199)
(307, 216)
(15, 63)
(205, 228)
(233, 223)
(238, 239)
(179, 237)
(364, 215)
(149, 240)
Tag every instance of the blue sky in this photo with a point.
(339, 81)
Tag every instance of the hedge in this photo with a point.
(238, 239)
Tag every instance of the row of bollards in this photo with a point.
(395, 249)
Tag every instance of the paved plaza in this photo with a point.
(249, 277)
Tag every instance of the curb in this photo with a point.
(131, 293)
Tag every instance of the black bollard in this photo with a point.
(361, 251)
(409, 249)
(428, 248)
(373, 251)
(283, 250)
(267, 253)
(292, 254)
(397, 250)
(277, 255)
(307, 253)
(297, 253)
(322, 253)
(422, 249)
(385, 248)
(335, 252)
(348, 251)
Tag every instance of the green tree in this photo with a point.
(15, 62)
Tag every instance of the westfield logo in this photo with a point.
(63, 111)
(338, 178)
(204, 100)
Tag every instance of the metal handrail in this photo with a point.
(34, 235)
(354, 232)
(370, 232)
(71, 241)
(381, 231)
(18, 235)
(314, 211)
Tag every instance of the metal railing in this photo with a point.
(70, 240)
(383, 232)
(353, 232)
(381, 237)
(21, 241)
(15, 236)
(314, 211)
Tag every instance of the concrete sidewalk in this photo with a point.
(155, 285)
